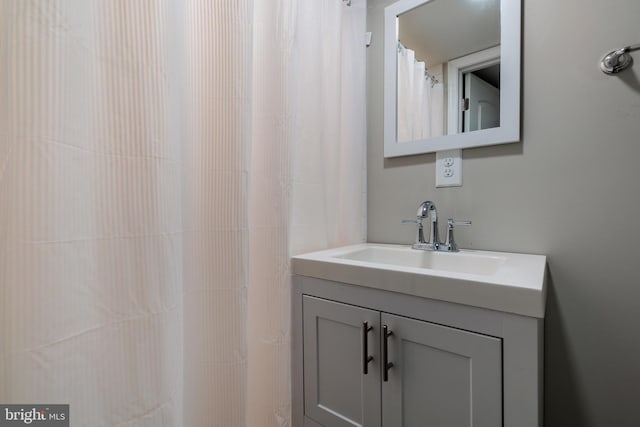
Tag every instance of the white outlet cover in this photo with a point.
(449, 168)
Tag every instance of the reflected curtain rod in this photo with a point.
(427, 74)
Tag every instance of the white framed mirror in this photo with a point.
(451, 75)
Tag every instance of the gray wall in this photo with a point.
(570, 190)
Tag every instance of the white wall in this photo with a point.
(570, 190)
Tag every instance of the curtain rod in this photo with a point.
(427, 75)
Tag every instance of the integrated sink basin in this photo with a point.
(461, 262)
(509, 282)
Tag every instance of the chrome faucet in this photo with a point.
(427, 210)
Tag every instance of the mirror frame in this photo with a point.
(509, 130)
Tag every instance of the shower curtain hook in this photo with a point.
(347, 2)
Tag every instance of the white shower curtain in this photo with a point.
(160, 161)
(420, 100)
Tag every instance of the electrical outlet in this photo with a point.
(449, 168)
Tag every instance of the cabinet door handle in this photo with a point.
(365, 347)
(386, 365)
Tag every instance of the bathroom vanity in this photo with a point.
(384, 335)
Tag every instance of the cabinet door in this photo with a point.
(441, 376)
(336, 390)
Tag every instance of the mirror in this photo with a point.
(452, 75)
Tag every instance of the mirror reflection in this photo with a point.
(448, 68)
(481, 95)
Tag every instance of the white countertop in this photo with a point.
(509, 282)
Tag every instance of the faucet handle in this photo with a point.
(450, 244)
(411, 221)
(420, 232)
(451, 222)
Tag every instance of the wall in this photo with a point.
(568, 190)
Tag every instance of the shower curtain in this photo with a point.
(160, 161)
(420, 99)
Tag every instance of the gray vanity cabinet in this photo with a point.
(435, 374)
(336, 391)
(441, 376)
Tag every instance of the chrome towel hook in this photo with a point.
(618, 60)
